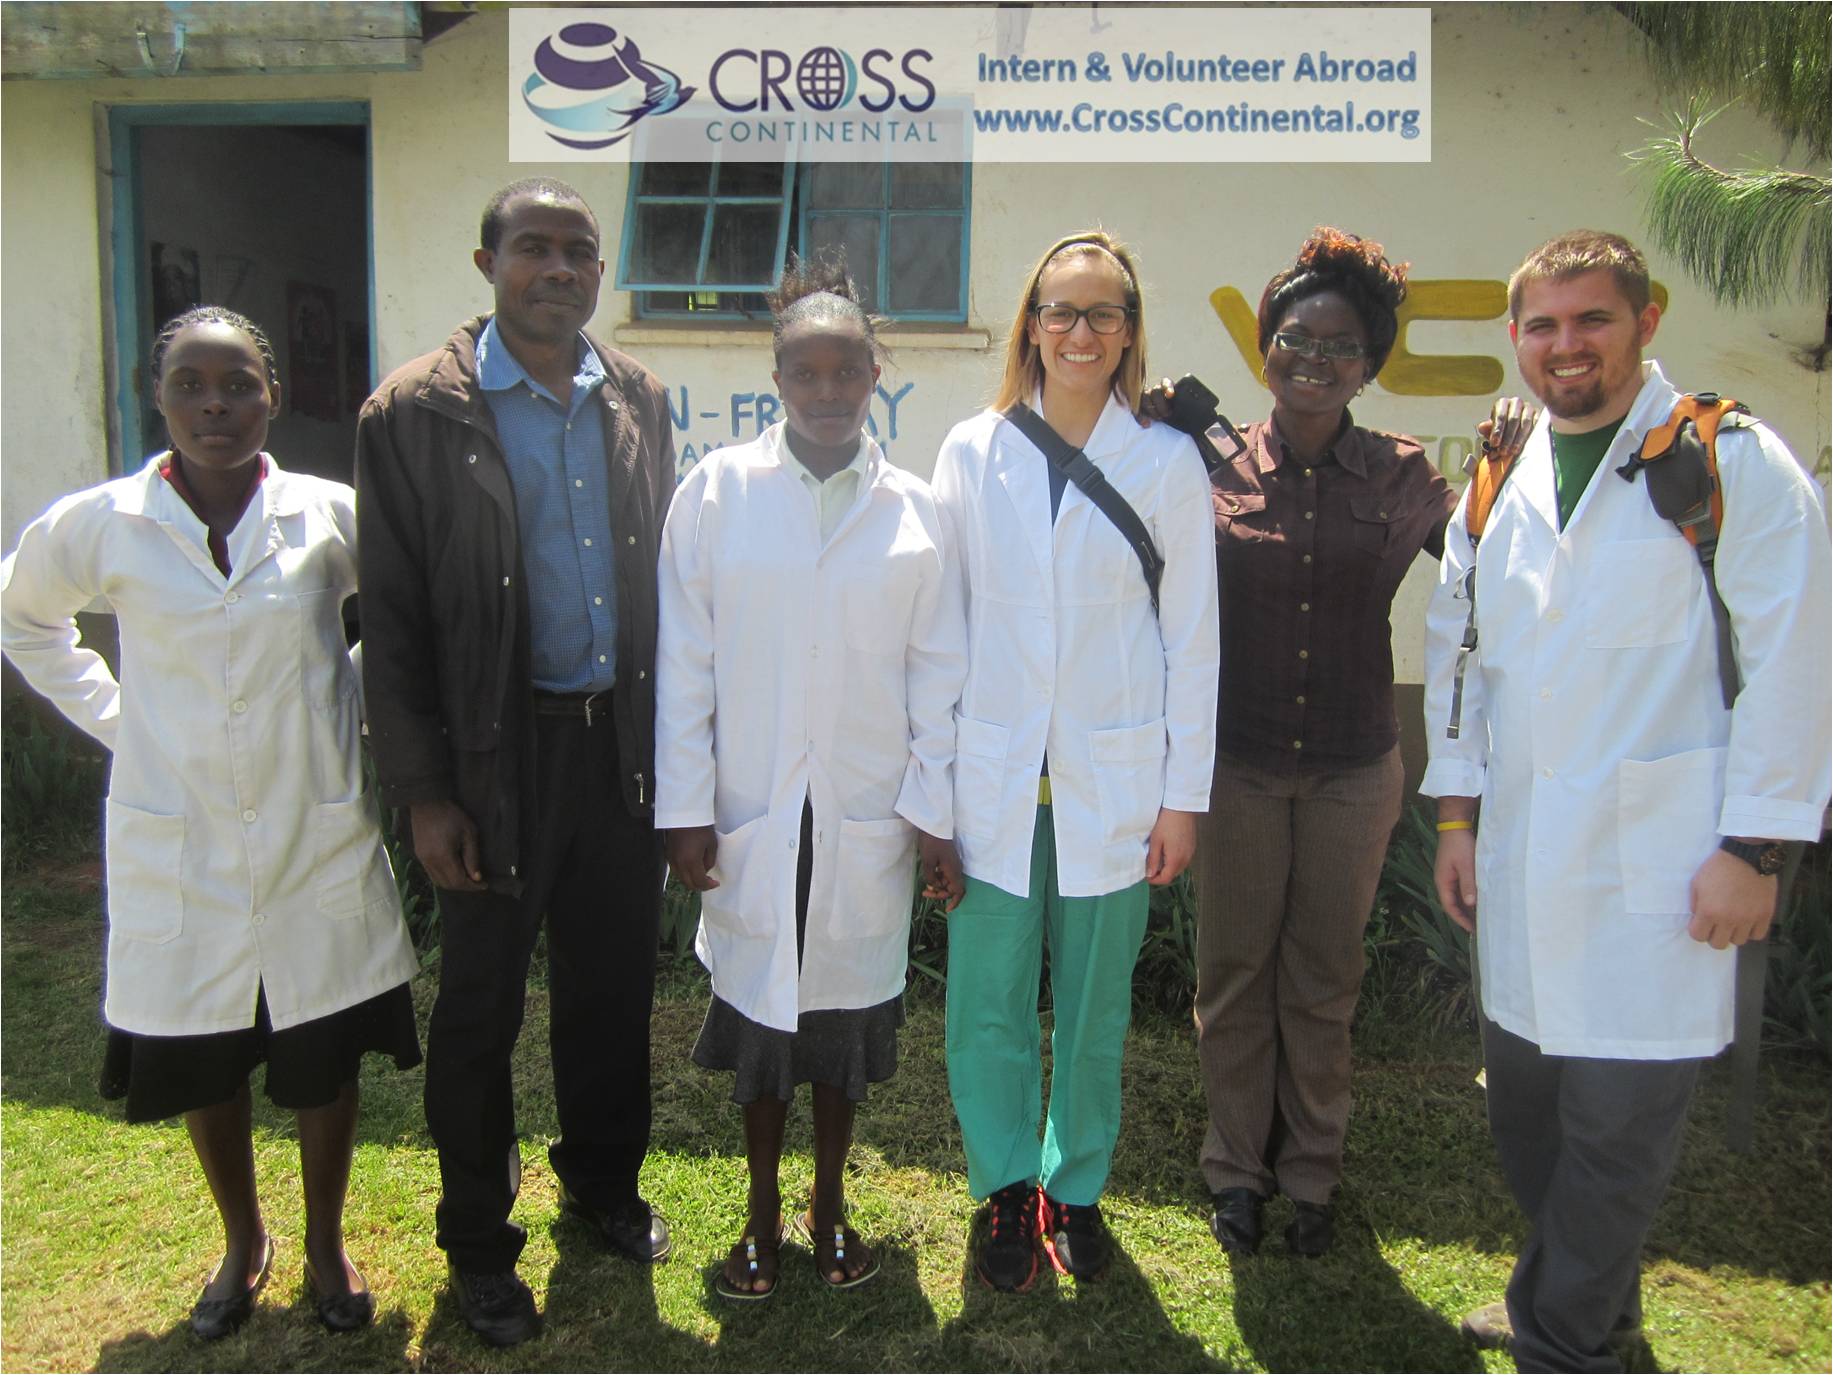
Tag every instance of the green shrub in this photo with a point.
(52, 778)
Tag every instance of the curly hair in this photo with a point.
(1024, 372)
(212, 315)
(1355, 268)
(819, 292)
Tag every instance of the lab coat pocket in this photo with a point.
(351, 871)
(740, 905)
(1644, 590)
(145, 854)
(980, 774)
(326, 676)
(874, 879)
(1129, 766)
(876, 617)
(1667, 826)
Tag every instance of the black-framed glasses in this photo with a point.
(1053, 317)
(1293, 342)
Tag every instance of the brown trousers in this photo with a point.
(1286, 869)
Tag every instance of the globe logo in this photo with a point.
(590, 86)
(826, 78)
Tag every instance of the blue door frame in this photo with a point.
(132, 285)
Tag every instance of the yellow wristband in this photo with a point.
(1457, 825)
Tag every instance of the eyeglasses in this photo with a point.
(1293, 342)
(1053, 318)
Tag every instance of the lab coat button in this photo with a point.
(238, 706)
(259, 917)
(250, 815)
(1546, 773)
(1555, 616)
(631, 540)
(233, 598)
(1546, 694)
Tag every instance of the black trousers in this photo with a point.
(595, 876)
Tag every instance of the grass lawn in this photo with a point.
(109, 1231)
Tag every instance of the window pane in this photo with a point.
(926, 263)
(667, 246)
(674, 179)
(744, 244)
(847, 185)
(857, 237)
(751, 179)
(926, 185)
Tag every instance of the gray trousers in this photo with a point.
(1587, 1147)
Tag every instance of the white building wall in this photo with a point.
(1534, 107)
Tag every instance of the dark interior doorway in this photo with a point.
(267, 213)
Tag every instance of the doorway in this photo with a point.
(263, 209)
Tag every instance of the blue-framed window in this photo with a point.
(707, 239)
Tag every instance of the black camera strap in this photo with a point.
(1079, 469)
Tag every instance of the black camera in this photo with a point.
(1193, 410)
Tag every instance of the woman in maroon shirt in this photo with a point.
(1317, 521)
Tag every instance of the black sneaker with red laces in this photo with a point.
(1007, 1259)
(1075, 1237)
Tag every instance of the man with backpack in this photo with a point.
(1613, 797)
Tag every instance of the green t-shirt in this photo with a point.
(1575, 459)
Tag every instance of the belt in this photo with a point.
(572, 703)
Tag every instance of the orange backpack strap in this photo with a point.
(1679, 460)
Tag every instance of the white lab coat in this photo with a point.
(789, 669)
(1594, 731)
(1065, 655)
(242, 851)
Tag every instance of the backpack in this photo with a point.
(1680, 461)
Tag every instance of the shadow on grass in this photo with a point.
(1114, 1323)
(275, 1338)
(1300, 1314)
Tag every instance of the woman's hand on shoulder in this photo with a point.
(1171, 847)
(691, 852)
(1155, 402)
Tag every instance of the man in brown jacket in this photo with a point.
(511, 487)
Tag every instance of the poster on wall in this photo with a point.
(177, 283)
(356, 364)
(311, 345)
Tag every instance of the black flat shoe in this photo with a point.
(1312, 1229)
(1236, 1221)
(637, 1231)
(341, 1312)
(214, 1319)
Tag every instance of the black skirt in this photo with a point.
(307, 1065)
(848, 1048)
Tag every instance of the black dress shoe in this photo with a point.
(341, 1312)
(1312, 1229)
(496, 1305)
(213, 1319)
(1236, 1220)
(637, 1230)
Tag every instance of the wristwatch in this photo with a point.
(1765, 856)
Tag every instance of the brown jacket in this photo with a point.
(444, 603)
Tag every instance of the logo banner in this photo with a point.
(915, 83)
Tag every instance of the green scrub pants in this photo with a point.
(995, 953)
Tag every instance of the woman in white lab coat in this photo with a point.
(1083, 748)
(811, 653)
(252, 915)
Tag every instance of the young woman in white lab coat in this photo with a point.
(1083, 748)
(811, 652)
(252, 915)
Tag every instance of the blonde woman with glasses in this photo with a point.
(1083, 743)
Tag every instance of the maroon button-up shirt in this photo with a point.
(1309, 560)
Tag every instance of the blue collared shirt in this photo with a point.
(556, 455)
